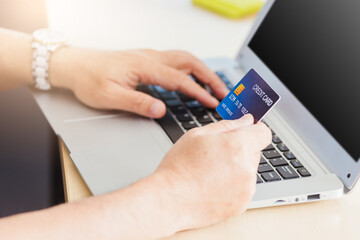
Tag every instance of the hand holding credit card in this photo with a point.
(251, 95)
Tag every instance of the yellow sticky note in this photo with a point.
(231, 8)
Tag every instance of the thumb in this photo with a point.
(139, 103)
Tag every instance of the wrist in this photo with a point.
(62, 68)
(156, 207)
(170, 194)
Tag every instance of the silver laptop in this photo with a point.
(308, 55)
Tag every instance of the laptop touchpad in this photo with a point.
(113, 152)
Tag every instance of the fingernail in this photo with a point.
(156, 109)
(248, 117)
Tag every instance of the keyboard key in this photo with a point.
(170, 126)
(271, 154)
(282, 147)
(287, 172)
(189, 125)
(229, 85)
(160, 89)
(185, 98)
(262, 160)
(278, 162)
(258, 179)
(173, 103)
(155, 95)
(264, 168)
(296, 163)
(269, 147)
(289, 155)
(270, 176)
(198, 111)
(276, 139)
(204, 119)
(147, 89)
(167, 95)
(303, 172)
(211, 110)
(216, 115)
(220, 74)
(193, 104)
(180, 109)
(223, 77)
(183, 117)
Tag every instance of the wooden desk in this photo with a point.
(332, 219)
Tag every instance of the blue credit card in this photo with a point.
(251, 95)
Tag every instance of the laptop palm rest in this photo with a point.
(113, 152)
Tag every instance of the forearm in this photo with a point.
(144, 210)
(15, 59)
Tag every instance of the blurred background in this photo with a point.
(30, 168)
(23, 15)
(123, 24)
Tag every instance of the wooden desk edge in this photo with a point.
(75, 187)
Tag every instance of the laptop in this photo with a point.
(306, 51)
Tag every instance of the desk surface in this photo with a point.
(176, 24)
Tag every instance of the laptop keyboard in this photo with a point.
(184, 113)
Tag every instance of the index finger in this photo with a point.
(175, 80)
(190, 64)
(207, 76)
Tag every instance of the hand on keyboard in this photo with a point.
(211, 171)
(107, 80)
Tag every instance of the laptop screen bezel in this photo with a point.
(321, 142)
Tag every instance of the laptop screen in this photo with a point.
(313, 47)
